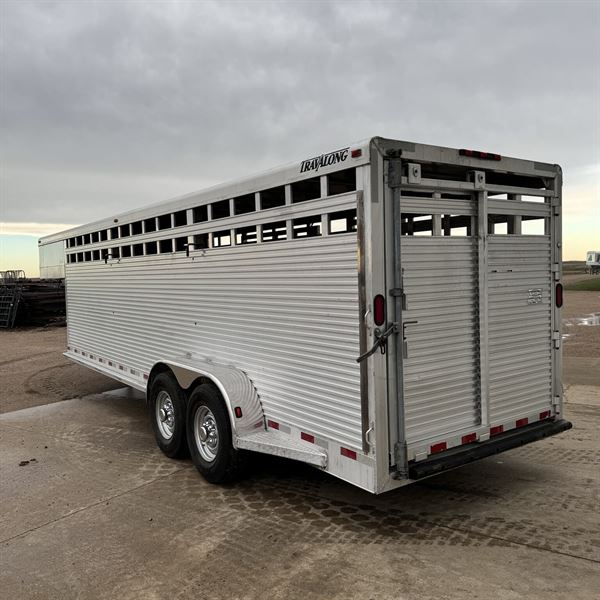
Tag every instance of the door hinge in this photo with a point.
(394, 173)
(556, 271)
(400, 454)
(556, 404)
(556, 339)
(399, 293)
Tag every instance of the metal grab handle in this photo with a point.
(404, 324)
(404, 342)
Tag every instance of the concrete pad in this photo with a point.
(102, 513)
(582, 394)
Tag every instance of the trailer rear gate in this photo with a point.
(477, 327)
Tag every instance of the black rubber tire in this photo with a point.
(228, 462)
(176, 446)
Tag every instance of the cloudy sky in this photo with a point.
(106, 106)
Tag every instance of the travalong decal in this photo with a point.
(325, 160)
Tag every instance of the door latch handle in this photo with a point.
(380, 341)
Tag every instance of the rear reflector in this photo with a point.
(348, 453)
(238, 412)
(307, 437)
(559, 295)
(544, 415)
(469, 438)
(145, 374)
(496, 430)
(439, 447)
(379, 309)
(273, 424)
(479, 154)
(356, 153)
(522, 422)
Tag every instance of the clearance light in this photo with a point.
(439, 447)
(348, 453)
(559, 295)
(479, 154)
(379, 310)
(356, 153)
(238, 412)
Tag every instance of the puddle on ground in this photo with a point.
(588, 320)
(593, 319)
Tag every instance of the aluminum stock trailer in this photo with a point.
(384, 312)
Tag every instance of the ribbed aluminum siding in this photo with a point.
(441, 389)
(519, 333)
(284, 312)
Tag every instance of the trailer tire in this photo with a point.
(167, 409)
(209, 436)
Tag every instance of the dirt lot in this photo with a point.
(35, 372)
(581, 349)
(101, 513)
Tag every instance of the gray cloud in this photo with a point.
(106, 106)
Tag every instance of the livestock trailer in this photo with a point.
(592, 262)
(384, 312)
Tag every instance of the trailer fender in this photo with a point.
(238, 392)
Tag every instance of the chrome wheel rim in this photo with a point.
(165, 414)
(206, 433)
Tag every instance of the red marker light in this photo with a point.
(559, 295)
(348, 453)
(238, 412)
(479, 154)
(379, 309)
(439, 447)
(469, 438)
(356, 153)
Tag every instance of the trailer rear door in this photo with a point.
(440, 317)
(476, 322)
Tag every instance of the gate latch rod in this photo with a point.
(380, 341)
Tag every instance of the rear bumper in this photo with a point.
(506, 441)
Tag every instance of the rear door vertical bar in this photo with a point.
(362, 320)
(556, 262)
(482, 257)
(394, 182)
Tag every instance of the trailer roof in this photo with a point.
(358, 154)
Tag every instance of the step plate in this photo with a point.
(280, 444)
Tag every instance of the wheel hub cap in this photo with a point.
(206, 433)
(165, 414)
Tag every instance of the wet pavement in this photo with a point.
(96, 511)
